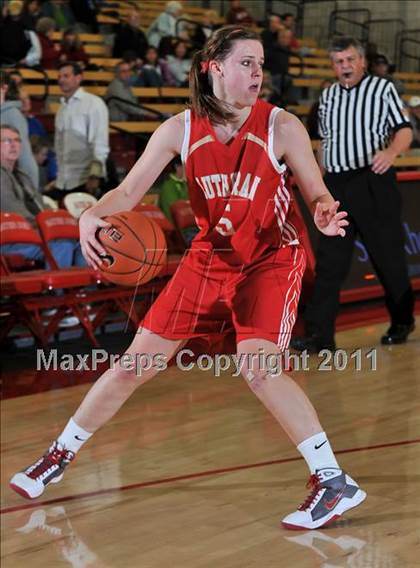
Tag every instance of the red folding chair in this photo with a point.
(15, 229)
(58, 224)
(183, 217)
(155, 213)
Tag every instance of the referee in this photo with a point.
(363, 128)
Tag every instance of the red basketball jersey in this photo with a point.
(238, 191)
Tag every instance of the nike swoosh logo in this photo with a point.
(317, 447)
(331, 504)
(80, 439)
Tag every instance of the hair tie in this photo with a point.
(204, 66)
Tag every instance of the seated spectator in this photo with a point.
(269, 34)
(60, 12)
(130, 37)
(155, 72)
(173, 188)
(17, 45)
(239, 15)
(85, 15)
(278, 63)
(35, 126)
(47, 164)
(31, 12)
(72, 49)
(312, 120)
(200, 33)
(122, 103)
(414, 115)
(179, 64)
(381, 68)
(49, 50)
(19, 195)
(164, 26)
(268, 92)
(10, 113)
(289, 22)
(17, 78)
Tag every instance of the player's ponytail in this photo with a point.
(218, 47)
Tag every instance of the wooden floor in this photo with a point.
(193, 473)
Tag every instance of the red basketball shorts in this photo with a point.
(205, 296)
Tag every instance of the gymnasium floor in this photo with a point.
(194, 473)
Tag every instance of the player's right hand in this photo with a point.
(89, 225)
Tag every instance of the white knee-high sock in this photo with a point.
(317, 452)
(73, 436)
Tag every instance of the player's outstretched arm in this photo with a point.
(163, 146)
(292, 142)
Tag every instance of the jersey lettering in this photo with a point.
(223, 185)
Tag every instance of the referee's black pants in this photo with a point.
(373, 203)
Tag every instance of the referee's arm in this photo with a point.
(402, 133)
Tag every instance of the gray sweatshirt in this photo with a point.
(10, 114)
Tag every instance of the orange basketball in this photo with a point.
(135, 246)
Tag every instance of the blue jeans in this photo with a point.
(67, 252)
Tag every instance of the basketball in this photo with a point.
(135, 246)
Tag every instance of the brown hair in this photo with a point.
(12, 93)
(218, 47)
(65, 43)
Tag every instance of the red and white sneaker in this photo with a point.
(32, 481)
(333, 493)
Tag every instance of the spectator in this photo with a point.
(268, 92)
(125, 107)
(130, 37)
(60, 12)
(49, 50)
(31, 12)
(358, 159)
(81, 135)
(289, 22)
(238, 15)
(35, 126)
(201, 32)
(414, 115)
(85, 14)
(173, 188)
(312, 120)
(278, 63)
(155, 72)
(47, 164)
(10, 113)
(381, 68)
(15, 41)
(269, 35)
(179, 64)
(18, 195)
(72, 49)
(164, 26)
(16, 76)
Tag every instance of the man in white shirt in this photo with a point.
(81, 134)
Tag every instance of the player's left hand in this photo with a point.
(383, 160)
(328, 221)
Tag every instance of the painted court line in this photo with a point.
(35, 504)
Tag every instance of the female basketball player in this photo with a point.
(235, 149)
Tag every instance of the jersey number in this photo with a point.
(225, 226)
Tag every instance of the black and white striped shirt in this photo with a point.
(355, 123)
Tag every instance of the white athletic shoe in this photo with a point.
(31, 482)
(333, 493)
